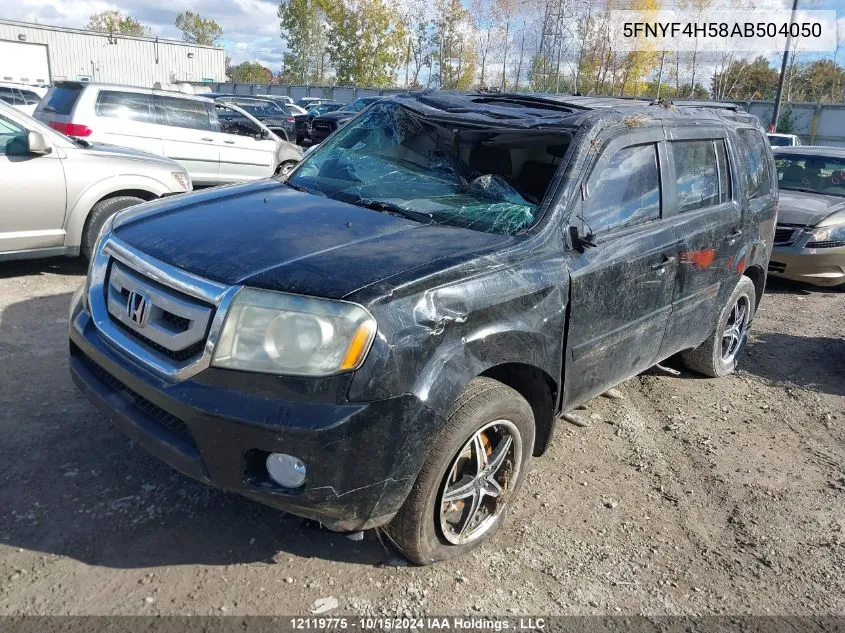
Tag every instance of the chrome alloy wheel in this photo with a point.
(479, 482)
(736, 329)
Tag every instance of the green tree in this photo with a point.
(743, 79)
(819, 80)
(249, 73)
(302, 27)
(454, 46)
(366, 41)
(116, 22)
(198, 30)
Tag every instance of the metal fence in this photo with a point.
(814, 123)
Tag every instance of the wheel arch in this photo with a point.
(141, 187)
(539, 389)
(758, 277)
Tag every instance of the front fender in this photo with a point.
(80, 207)
(432, 344)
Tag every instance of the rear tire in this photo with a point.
(98, 215)
(498, 420)
(285, 168)
(718, 355)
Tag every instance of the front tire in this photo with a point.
(718, 355)
(98, 215)
(285, 168)
(470, 476)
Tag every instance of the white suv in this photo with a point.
(182, 127)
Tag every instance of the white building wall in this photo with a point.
(136, 61)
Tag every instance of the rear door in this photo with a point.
(621, 288)
(126, 119)
(702, 206)
(244, 153)
(56, 108)
(33, 204)
(190, 137)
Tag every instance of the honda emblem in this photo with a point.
(137, 308)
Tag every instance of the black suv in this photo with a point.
(387, 336)
(271, 113)
(327, 123)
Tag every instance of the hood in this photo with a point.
(268, 235)
(807, 209)
(335, 116)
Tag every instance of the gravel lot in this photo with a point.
(688, 496)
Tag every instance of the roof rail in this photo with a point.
(717, 105)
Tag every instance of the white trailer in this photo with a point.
(24, 62)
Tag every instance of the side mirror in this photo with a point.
(37, 143)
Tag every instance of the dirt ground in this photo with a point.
(688, 496)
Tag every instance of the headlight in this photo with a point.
(183, 179)
(280, 333)
(829, 236)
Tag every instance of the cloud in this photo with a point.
(250, 27)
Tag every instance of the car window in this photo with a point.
(30, 97)
(132, 106)
(753, 150)
(233, 122)
(725, 189)
(186, 113)
(61, 99)
(12, 138)
(625, 192)
(11, 96)
(811, 173)
(697, 170)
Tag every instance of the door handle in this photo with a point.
(733, 237)
(205, 138)
(229, 142)
(660, 266)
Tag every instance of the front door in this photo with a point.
(621, 288)
(244, 153)
(33, 198)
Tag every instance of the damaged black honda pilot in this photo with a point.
(387, 336)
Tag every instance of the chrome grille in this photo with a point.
(165, 320)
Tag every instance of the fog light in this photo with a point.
(286, 470)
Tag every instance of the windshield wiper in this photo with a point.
(394, 209)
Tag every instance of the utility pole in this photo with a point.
(660, 74)
(773, 127)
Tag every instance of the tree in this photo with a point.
(198, 30)
(366, 40)
(249, 73)
(743, 80)
(418, 48)
(116, 22)
(453, 39)
(302, 24)
(819, 80)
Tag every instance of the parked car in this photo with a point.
(58, 193)
(21, 96)
(304, 122)
(184, 127)
(388, 336)
(307, 102)
(326, 123)
(783, 140)
(295, 109)
(272, 114)
(810, 235)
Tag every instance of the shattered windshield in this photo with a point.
(394, 160)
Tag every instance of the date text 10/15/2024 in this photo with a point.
(418, 623)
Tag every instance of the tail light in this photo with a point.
(71, 129)
(291, 120)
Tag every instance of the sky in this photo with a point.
(251, 28)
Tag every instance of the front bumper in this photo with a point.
(816, 266)
(218, 426)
